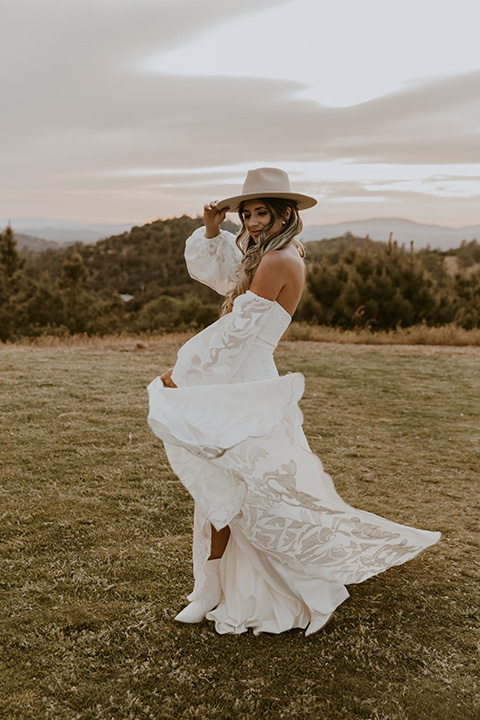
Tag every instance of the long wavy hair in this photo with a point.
(254, 251)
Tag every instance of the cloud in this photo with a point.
(198, 122)
(65, 63)
(77, 115)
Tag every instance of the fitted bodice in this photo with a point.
(259, 363)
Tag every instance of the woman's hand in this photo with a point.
(166, 379)
(213, 218)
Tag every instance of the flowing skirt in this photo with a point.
(295, 544)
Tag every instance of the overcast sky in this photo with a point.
(130, 110)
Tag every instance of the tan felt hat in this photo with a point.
(264, 183)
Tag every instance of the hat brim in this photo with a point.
(233, 203)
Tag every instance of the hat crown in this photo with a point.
(266, 180)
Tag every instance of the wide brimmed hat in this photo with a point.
(267, 182)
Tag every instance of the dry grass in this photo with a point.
(450, 335)
(125, 342)
(96, 536)
(446, 335)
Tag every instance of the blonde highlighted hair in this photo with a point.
(254, 251)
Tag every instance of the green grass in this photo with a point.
(96, 539)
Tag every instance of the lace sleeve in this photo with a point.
(215, 354)
(213, 261)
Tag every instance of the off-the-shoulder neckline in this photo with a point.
(273, 302)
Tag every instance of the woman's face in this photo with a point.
(257, 217)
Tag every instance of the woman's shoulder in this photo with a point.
(277, 270)
(283, 259)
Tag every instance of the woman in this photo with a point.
(274, 544)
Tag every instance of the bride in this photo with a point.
(274, 544)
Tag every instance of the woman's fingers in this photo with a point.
(213, 218)
(166, 379)
(211, 208)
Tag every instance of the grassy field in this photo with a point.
(96, 536)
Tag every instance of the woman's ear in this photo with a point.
(288, 212)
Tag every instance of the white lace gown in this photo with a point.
(233, 435)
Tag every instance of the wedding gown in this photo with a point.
(233, 435)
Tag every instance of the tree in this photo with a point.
(78, 303)
(13, 287)
(167, 314)
(45, 309)
(467, 301)
(381, 289)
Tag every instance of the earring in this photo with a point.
(284, 222)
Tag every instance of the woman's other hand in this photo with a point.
(213, 218)
(166, 379)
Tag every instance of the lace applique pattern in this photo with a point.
(342, 544)
(318, 535)
(215, 354)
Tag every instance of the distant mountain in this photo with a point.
(441, 238)
(35, 244)
(64, 231)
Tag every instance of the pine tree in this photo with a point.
(45, 308)
(10, 261)
(13, 287)
(73, 284)
(467, 288)
(381, 289)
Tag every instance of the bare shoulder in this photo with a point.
(279, 259)
(280, 276)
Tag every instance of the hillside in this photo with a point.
(148, 261)
(137, 281)
(436, 236)
(335, 246)
(64, 232)
(404, 231)
(31, 243)
(145, 262)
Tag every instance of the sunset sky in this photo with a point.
(125, 111)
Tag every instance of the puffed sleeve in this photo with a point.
(213, 261)
(215, 354)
